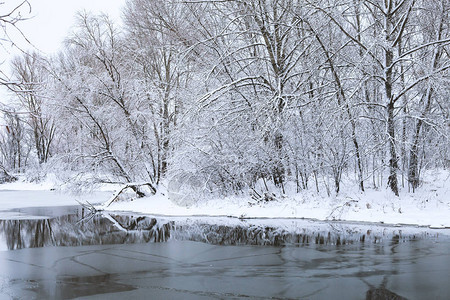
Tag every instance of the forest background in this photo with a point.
(216, 98)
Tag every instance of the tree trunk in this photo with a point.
(393, 161)
(388, 85)
(413, 170)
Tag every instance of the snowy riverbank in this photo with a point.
(372, 206)
(20, 194)
(428, 206)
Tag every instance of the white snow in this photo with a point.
(10, 199)
(22, 194)
(22, 185)
(428, 206)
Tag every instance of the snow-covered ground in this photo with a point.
(428, 206)
(21, 194)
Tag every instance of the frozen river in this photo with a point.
(124, 256)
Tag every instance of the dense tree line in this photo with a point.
(229, 96)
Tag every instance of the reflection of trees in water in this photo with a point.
(239, 235)
(122, 229)
(27, 233)
(272, 236)
(67, 231)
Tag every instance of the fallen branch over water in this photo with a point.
(87, 205)
(133, 186)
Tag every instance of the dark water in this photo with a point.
(117, 256)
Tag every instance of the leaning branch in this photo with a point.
(133, 186)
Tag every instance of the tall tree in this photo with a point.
(436, 30)
(394, 21)
(30, 77)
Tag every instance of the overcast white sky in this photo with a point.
(49, 24)
(51, 19)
